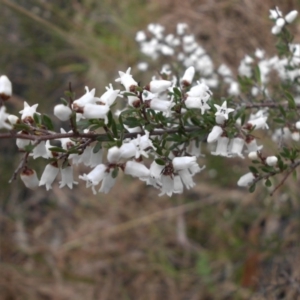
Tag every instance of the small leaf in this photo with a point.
(47, 122)
(57, 149)
(253, 169)
(97, 147)
(64, 101)
(115, 172)
(252, 188)
(160, 162)
(37, 118)
(268, 183)
(290, 99)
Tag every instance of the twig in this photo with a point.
(21, 165)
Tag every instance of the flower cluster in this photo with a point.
(157, 133)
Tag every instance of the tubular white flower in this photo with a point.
(252, 145)
(196, 102)
(186, 178)
(237, 147)
(5, 88)
(258, 123)
(109, 97)
(280, 22)
(67, 177)
(291, 16)
(3, 117)
(215, 133)
(128, 150)
(62, 112)
(161, 105)
(253, 155)
(40, 150)
(156, 170)
(158, 86)
(178, 185)
(11, 118)
(276, 29)
(49, 175)
(200, 90)
(167, 185)
(94, 111)
(88, 97)
(222, 147)
(95, 158)
(95, 176)
(271, 161)
(29, 178)
(22, 143)
(184, 162)
(188, 76)
(136, 169)
(107, 183)
(246, 179)
(113, 154)
(127, 81)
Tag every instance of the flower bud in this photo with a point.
(214, 134)
(158, 86)
(188, 76)
(253, 155)
(246, 179)
(5, 88)
(29, 178)
(271, 161)
(62, 112)
(291, 16)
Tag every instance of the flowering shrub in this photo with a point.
(158, 134)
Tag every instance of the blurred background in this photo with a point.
(213, 242)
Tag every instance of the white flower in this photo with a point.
(28, 112)
(161, 105)
(188, 76)
(280, 22)
(222, 147)
(295, 136)
(113, 154)
(127, 81)
(49, 175)
(40, 150)
(29, 178)
(187, 178)
(94, 111)
(107, 183)
(276, 29)
(67, 177)
(253, 155)
(252, 145)
(88, 97)
(196, 102)
(142, 66)
(237, 146)
(223, 111)
(271, 161)
(180, 28)
(5, 88)
(234, 89)
(128, 150)
(291, 16)
(62, 112)
(140, 36)
(136, 169)
(109, 97)
(215, 133)
(22, 143)
(298, 125)
(158, 86)
(184, 162)
(246, 179)
(257, 123)
(3, 118)
(11, 118)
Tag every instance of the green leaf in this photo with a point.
(257, 74)
(64, 101)
(115, 172)
(47, 122)
(278, 120)
(57, 149)
(160, 162)
(290, 99)
(252, 188)
(268, 183)
(37, 118)
(21, 127)
(177, 92)
(282, 110)
(97, 147)
(253, 169)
